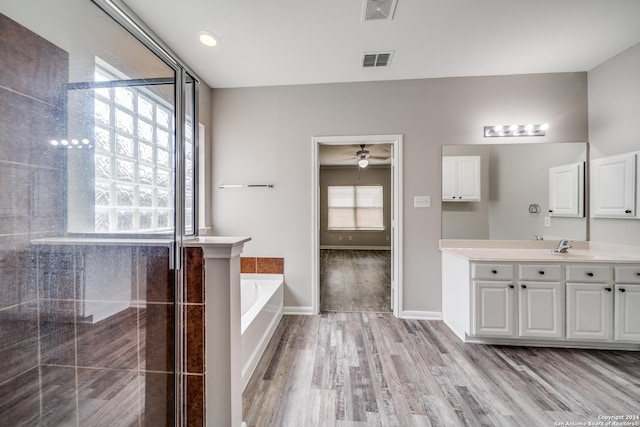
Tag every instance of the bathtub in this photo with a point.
(261, 305)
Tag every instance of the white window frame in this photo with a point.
(113, 208)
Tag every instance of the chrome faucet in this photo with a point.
(562, 247)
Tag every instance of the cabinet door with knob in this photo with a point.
(540, 301)
(590, 311)
(627, 308)
(461, 178)
(627, 303)
(613, 186)
(494, 305)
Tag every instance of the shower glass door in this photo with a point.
(92, 131)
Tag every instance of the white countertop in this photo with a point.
(213, 241)
(513, 251)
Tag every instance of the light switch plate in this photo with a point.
(422, 201)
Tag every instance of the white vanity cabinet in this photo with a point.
(573, 304)
(627, 303)
(540, 301)
(461, 178)
(589, 302)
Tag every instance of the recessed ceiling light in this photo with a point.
(207, 39)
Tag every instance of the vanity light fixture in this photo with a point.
(515, 130)
(73, 143)
(208, 39)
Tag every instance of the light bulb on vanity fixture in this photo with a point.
(515, 130)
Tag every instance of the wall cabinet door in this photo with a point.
(493, 305)
(589, 311)
(566, 190)
(541, 309)
(613, 186)
(627, 306)
(461, 178)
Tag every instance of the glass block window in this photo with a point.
(355, 207)
(134, 159)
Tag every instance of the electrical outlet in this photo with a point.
(349, 237)
(340, 237)
(547, 221)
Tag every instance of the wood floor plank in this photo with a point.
(372, 369)
(355, 280)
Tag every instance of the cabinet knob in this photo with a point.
(638, 273)
(496, 271)
(541, 272)
(523, 286)
(511, 286)
(550, 210)
(607, 289)
(622, 290)
(590, 274)
(627, 211)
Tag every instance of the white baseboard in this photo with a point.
(289, 310)
(357, 248)
(421, 315)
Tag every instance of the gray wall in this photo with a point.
(354, 176)
(614, 128)
(263, 135)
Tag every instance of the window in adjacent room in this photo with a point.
(355, 207)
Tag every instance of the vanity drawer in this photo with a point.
(493, 271)
(540, 272)
(627, 273)
(589, 273)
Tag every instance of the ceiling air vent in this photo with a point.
(376, 59)
(378, 9)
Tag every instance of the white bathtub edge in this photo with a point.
(252, 363)
(294, 311)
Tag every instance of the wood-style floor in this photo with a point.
(372, 369)
(355, 280)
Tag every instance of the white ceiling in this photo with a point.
(283, 42)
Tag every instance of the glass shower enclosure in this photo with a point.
(97, 134)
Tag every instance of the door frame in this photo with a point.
(396, 211)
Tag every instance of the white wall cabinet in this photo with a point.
(614, 186)
(566, 190)
(461, 178)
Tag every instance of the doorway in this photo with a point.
(365, 261)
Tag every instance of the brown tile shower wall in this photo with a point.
(33, 73)
(194, 376)
(262, 265)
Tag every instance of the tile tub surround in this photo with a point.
(221, 285)
(260, 265)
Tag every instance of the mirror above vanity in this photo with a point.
(513, 188)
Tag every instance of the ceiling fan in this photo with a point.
(363, 157)
(344, 155)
